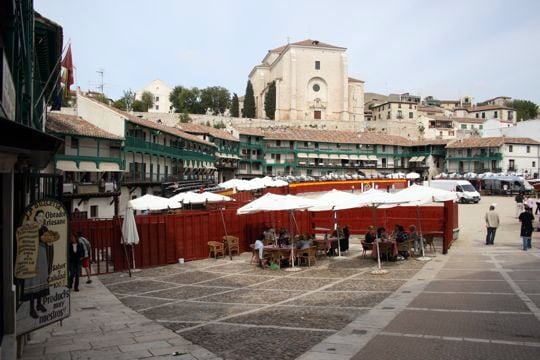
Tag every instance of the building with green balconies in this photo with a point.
(91, 163)
(227, 148)
(251, 162)
(493, 154)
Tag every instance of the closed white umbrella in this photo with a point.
(130, 235)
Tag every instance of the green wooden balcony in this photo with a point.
(140, 145)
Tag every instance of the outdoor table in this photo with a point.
(394, 247)
(327, 242)
(284, 251)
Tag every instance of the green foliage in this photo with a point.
(120, 104)
(147, 98)
(219, 125)
(235, 106)
(525, 109)
(215, 98)
(101, 98)
(270, 101)
(184, 117)
(186, 99)
(139, 106)
(249, 102)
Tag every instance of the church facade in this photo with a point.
(313, 88)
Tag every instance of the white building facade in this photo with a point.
(312, 86)
(161, 92)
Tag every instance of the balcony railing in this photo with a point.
(142, 145)
(80, 188)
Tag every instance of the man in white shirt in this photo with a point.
(492, 223)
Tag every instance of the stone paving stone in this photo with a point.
(469, 265)
(394, 273)
(469, 286)
(177, 326)
(130, 355)
(143, 346)
(535, 299)
(316, 272)
(137, 287)
(320, 318)
(525, 275)
(138, 303)
(114, 277)
(111, 342)
(191, 311)
(360, 264)
(231, 268)
(520, 265)
(190, 277)
(252, 296)
(511, 327)
(469, 275)
(482, 302)
(187, 292)
(240, 343)
(238, 280)
(294, 284)
(161, 271)
(367, 285)
(340, 299)
(406, 348)
(95, 353)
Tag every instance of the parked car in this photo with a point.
(464, 189)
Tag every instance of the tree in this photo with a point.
(270, 101)
(184, 117)
(126, 101)
(219, 125)
(147, 98)
(235, 106)
(184, 99)
(139, 106)
(525, 109)
(249, 102)
(215, 98)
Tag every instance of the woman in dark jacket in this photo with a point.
(526, 219)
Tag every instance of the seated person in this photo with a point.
(269, 235)
(283, 238)
(304, 243)
(371, 235)
(413, 235)
(381, 234)
(399, 234)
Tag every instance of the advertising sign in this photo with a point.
(41, 269)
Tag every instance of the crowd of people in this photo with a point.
(394, 239)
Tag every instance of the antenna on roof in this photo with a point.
(101, 85)
(288, 40)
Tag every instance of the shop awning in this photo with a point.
(106, 166)
(363, 157)
(313, 156)
(420, 158)
(372, 158)
(88, 166)
(66, 165)
(344, 157)
(323, 156)
(302, 155)
(334, 156)
(353, 157)
(413, 159)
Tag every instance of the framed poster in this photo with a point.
(41, 268)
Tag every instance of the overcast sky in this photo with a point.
(442, 48)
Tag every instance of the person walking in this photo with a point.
(75, 255)
(526, 218)
(519, 203)
(86, 259)
(492, 223)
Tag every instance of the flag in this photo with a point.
(67, 64)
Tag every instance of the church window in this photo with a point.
(317, 115)
(410, 115)
(316, 88)
(317, 65)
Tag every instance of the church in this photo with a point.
(313, 88)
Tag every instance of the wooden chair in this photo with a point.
(215, 248)
(366, 247)
(406, 247)
(232, 243)
(428, 241)
(308, 255)
(386, 250)
(321, 248)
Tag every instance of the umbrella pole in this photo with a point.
(224, 228)
(133, 256)
(379, 270)
(292, 221)
(336, 228)
(423, 257)
(126, 254)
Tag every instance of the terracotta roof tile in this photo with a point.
(329, 136)
(74, 125)
(431, 142)
(468, 120)
(434, 109)
(476, 142)
(150, 124)
(376, 139)
(249, 131)
(203, 129)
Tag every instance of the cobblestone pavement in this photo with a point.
(477, 302)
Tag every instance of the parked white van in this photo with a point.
(464, 189)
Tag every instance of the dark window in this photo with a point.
(94, 211)
(510, 115)
(316, 88)
(410, 106)
(483, 115)
(477, 115)
(317, 65)
(510, 148)
(496, 114)
(157, 98)
(410, 115)
(317, 115)
(74, 143)
(528, 149)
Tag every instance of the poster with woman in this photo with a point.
(41, 266)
